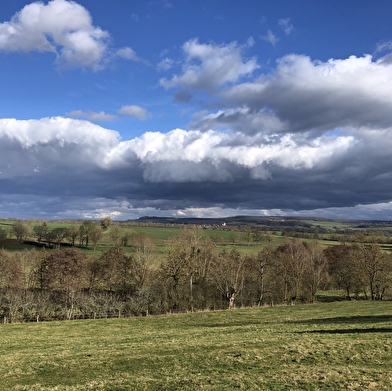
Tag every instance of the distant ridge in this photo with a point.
(268, 221)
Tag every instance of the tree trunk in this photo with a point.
(231, 301)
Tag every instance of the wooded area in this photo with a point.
(191, 274)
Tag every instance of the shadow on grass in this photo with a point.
(330, 298)
(231, 324)
(348, 331)
(345, 320)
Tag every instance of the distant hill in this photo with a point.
(273, 222)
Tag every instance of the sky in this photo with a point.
(180, 108)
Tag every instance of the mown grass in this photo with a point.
(334, 346)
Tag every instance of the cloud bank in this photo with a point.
(72, 161)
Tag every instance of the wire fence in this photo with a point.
(62, 317)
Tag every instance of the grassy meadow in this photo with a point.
(327, 346)
(223, 236)
(159, 236)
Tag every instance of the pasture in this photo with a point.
(233, 236)
(158, 235)
(327, 346)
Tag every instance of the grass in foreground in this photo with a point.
(334, 346)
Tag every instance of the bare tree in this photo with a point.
(344, 268)
(20, 230)
(59, 234)
(188, 257)
(228, 274)
(106, 222)
(216, 238)
(115, 234)
(248, 235)
(377, 266)
(89, 231)
(262, 262)
(3, 234)
(115, 270)
(50, 237)
(257, 235)
(65, 272)
(95, 234)
(73, 233)
(174, 271)
(10, 271)
(30, 262)
(316, 272)
(290, 264)
(234, 237)
(127, 236)
(40, 231)
(144, 255)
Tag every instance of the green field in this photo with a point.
(327, 346)
(158, 235)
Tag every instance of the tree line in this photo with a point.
(64, 283)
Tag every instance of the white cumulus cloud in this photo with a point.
(62, 27)
(209, 66)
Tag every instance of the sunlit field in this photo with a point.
(224, 237)
(328, 346)
(158, 235)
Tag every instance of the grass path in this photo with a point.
(334, 346)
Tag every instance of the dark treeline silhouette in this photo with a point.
(39, 285)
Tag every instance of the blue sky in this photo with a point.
(208, 108)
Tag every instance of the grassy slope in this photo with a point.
(159, 235)
(335, 346)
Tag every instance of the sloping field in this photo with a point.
(334, 346)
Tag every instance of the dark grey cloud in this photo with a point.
(183, 96)
(243, 120)
(307, 95)
(62, 167)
